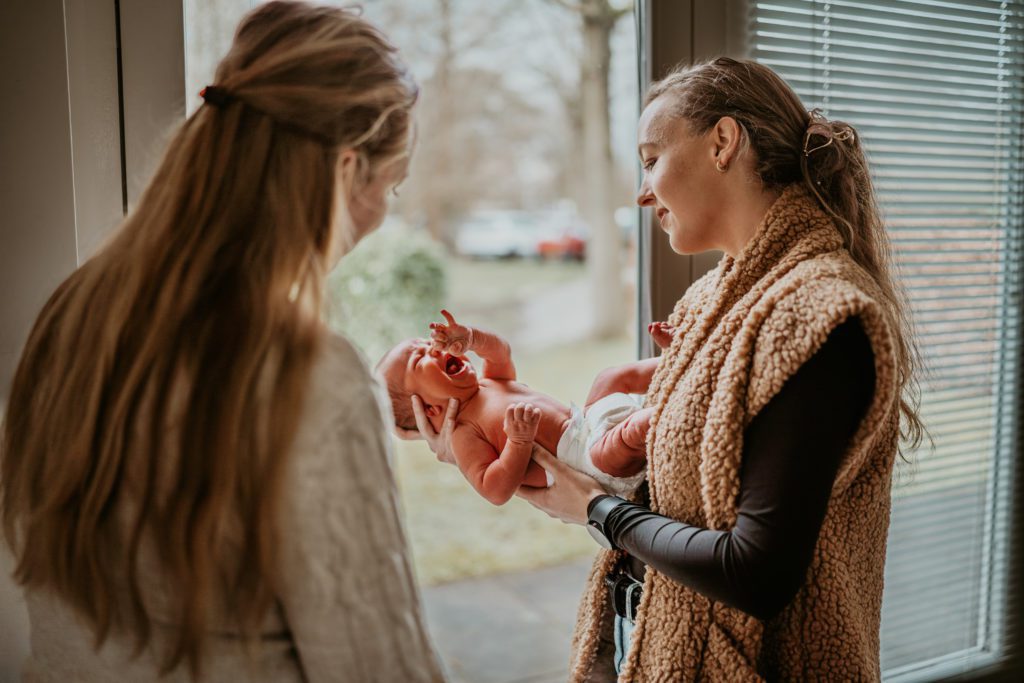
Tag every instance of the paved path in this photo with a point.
(507, 628)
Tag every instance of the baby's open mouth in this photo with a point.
(454, 366)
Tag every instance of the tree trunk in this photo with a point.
(604, 257)
(437, 200)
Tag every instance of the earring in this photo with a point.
(720, 167)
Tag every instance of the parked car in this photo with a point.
(498, 234)
(567, 244)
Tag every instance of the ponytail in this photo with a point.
(834, 168)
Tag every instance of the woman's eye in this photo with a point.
(649, 164)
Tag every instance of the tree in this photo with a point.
(597, 20)
(464, 108)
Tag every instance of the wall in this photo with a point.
(73, 155)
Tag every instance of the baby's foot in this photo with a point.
(661, 333)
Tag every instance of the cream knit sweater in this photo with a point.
(348, 609)
(745, 328)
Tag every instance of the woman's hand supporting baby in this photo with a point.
(439, 442)
(568, 493)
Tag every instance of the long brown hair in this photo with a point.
(161, 387)
(776, 127)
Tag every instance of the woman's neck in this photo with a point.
(745, 214)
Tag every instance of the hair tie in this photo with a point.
(822, 127)
(215, 95)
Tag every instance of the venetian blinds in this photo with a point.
(936, 90)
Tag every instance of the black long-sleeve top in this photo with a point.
(791, 454)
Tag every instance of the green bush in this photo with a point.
(388, 289)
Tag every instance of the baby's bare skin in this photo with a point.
(485, 413)
(499, 418)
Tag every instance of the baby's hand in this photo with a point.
(661, 333)
(521, 422)
(452, 338)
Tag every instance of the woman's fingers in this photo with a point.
(448, 317)
(549, 462)
(422, 423)
(449, 416)
(532, 494)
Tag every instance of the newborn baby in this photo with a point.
(500, 419)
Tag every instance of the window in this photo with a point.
(508, 223)
(936, 90)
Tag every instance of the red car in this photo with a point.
(566, 246)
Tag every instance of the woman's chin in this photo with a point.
(683, 243)
(681, 246)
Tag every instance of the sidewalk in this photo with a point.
(508, 628)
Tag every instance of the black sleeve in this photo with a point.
(791, 454)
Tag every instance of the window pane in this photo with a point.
(498, 179)
(935, 90)
(518, 217)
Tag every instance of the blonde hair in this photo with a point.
(793, 145)
(200, 319)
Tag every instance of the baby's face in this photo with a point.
(433, 376)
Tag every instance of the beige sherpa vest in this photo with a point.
(744, 329)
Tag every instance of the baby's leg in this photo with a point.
(622, 451)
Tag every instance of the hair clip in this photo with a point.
(821, 126)
(215, 95)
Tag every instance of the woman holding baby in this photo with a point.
(755, 550)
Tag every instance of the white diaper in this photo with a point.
(586, 428)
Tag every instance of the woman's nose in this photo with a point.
(644, 196)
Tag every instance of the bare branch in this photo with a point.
(576, 7)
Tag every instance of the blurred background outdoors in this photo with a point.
(517, 216)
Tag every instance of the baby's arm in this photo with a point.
(496, 354)
(497, 477)
(458, 339)
(622, 451)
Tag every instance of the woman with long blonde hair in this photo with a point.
(195, 472)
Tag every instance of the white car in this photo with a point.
(498, 234)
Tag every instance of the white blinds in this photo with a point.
(936, 90)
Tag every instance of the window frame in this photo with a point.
(675, 31)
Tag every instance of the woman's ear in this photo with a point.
(432, 410)
(726, 137)
(341, 240)
(346, 169)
